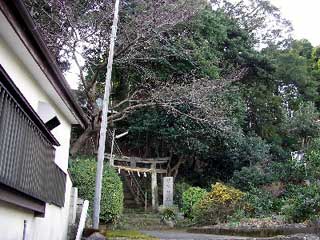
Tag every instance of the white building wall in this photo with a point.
(27, 75)
(54, 226)
(12, 218)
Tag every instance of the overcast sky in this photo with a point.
(304, 15)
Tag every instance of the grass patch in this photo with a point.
(129, 234)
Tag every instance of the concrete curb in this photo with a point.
(266, 232)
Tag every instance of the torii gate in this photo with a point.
(146, 165)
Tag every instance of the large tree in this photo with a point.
(161, 46)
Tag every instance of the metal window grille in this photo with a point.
(26, 155)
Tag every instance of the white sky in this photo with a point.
(304, 15)
(72, 76)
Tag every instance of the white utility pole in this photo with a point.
(104, 121)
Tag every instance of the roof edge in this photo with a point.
(18, 16)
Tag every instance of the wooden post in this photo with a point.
(154, 187)
(104, 121)
(145, 201)
(133, 163)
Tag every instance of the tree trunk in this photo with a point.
(175, 170)
(76, 146)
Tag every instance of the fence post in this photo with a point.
(83, 218)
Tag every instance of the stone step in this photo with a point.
(141, 217)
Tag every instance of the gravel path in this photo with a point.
(176, 235)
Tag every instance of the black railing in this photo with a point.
(26, 149)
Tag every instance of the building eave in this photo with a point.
(21, 21)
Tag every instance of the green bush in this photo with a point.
(249, 177)
(217, 205)
(191, 197)
(287, 172)
(313, 165)
(169, 213)
(180, 188)
(83, 173)
(257, 176)
(302, 203)
(239, 215)
(312, 158)
(260, 203)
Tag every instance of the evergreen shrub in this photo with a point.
(287, 172)
(83, 173)
(217, 205)
(249, 177)
(260, 203)
(191, 197)
(257, 176)
(302, 203)
(168, 213)
(312, 158)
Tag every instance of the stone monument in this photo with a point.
(168, 191)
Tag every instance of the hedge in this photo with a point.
(83, 173)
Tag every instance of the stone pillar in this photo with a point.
(154, 187)
(168, 191)
(73, 205)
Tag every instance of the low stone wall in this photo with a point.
(294, 237)
(285, 230)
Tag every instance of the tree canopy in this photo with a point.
(216, 86)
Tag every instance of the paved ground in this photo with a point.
(180, 235)
(173, 235)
